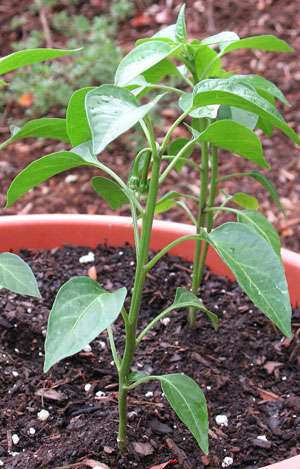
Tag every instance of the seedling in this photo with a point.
(15, 274)
(221, 111)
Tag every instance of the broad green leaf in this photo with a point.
(222, 39)
(111, 111)
(81, 311)
(204, 56)
(16, 275)
(186, 101)
(235, 137)
(77, 124)
(262, 225)
(257, 268)
(46, 127)
(267, 43)
(174, 148)
(160, 70)
(31, 56)
(245, 200)
(248, 119)
(141, 59)
(227, 91)
(42, 169)
(267, 184)
(188, 401)
(110, 191)
(265, 126)
(180, 31)
(261, 84)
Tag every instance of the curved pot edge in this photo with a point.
(49, 231)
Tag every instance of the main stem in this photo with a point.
(140, 275)
(201, 254)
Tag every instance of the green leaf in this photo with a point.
(185, 299)
(245, 200)
(222, 39)
(31, 56)
(112, 111)
(16, 275)
(248, 119)
(235, 137)
(226, 91)
(46, 127)
(110, 191)
(257, 268)
(175, 147)
(160, 70)
(186, 101)
(267, 43)
(188, 401)
(42, 169)
(81, 311)
(141, 59)
(262, 225)
(77, 124)
(168, 201)
(168, 33)
(267, 184)
(204, 56)
(261, 84)
(180, 31)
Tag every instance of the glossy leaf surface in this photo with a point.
(31, 56)
(226, 91)
(112, 111)
(140, 59)
(81, 311)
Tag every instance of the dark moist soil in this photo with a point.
(247, 371)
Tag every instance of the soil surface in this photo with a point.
(247, 371)
(250, 17)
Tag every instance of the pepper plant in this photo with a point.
(220, 110)
(15, 274)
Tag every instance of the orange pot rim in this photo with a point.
(50, 231)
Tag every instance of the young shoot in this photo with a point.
(221, 111)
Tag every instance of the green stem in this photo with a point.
(187, 146)
(201, 216)
(140, 275)
(210, 216)
(167, 248)
(113, 347)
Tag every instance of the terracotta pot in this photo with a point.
(49, 231)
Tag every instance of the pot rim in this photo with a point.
(49, 231)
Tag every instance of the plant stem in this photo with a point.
(140, 275)
(210, 216)
(201, 216)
